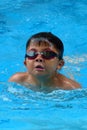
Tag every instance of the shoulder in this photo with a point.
(68, 83)
(18, 77)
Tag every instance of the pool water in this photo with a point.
(22, 108)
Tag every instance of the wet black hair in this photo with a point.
(54, 40)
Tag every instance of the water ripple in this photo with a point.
(16, 97)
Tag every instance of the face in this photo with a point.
(40, 66)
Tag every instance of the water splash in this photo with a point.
(15, 96)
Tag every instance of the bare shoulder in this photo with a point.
(68, 83)
(18, 77)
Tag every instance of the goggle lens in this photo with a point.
(45, 54)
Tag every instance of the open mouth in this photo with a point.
(39, 67)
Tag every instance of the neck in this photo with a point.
(43, 82)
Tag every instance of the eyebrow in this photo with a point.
(41, 49)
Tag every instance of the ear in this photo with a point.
(25, 62)
(60, 64)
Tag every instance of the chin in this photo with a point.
(40, 75)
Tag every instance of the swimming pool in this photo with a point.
(24, 109)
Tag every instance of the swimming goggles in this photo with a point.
(46, 54)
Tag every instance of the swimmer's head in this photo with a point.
(46, 38)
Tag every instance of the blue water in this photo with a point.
(22, 108)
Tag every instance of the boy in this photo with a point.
(43, 60)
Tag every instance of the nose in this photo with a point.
(39, 58)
